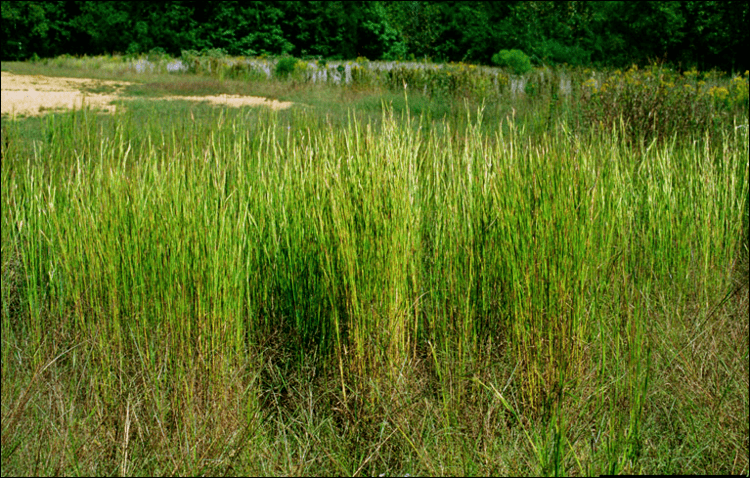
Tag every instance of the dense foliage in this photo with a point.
(687, 33)
(516, 60)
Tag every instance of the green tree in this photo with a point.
(705, 34)
(464, 31)
(378, 38)
(32, 27)
(419, 24)
(171, 26)
(636, 31)
(103, 27)
(716, 34)
(327, 29)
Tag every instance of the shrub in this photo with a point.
(516, 60)
(157, 54)
(285, 67)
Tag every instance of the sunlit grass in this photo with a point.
(189, 289)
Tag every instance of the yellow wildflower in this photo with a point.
(719, 92)
(691, 73)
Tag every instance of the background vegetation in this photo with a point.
(416, 271)
(687, 34)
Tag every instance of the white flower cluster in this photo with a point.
(342, 72)
(176, 66)
(141, 66)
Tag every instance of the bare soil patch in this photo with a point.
(33, 95)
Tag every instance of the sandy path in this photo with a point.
(35, 95)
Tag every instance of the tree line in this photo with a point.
(701, 34)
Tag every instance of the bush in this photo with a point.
(157, 54)
(516, 60)
(285, 67)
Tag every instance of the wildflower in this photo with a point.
(719, 92)
(176, 66)
(590, 83)
(692, 73)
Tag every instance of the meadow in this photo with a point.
(447, 270)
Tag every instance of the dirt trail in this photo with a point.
(35, 95)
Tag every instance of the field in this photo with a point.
(438, 271)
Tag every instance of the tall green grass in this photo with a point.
(171, 260)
